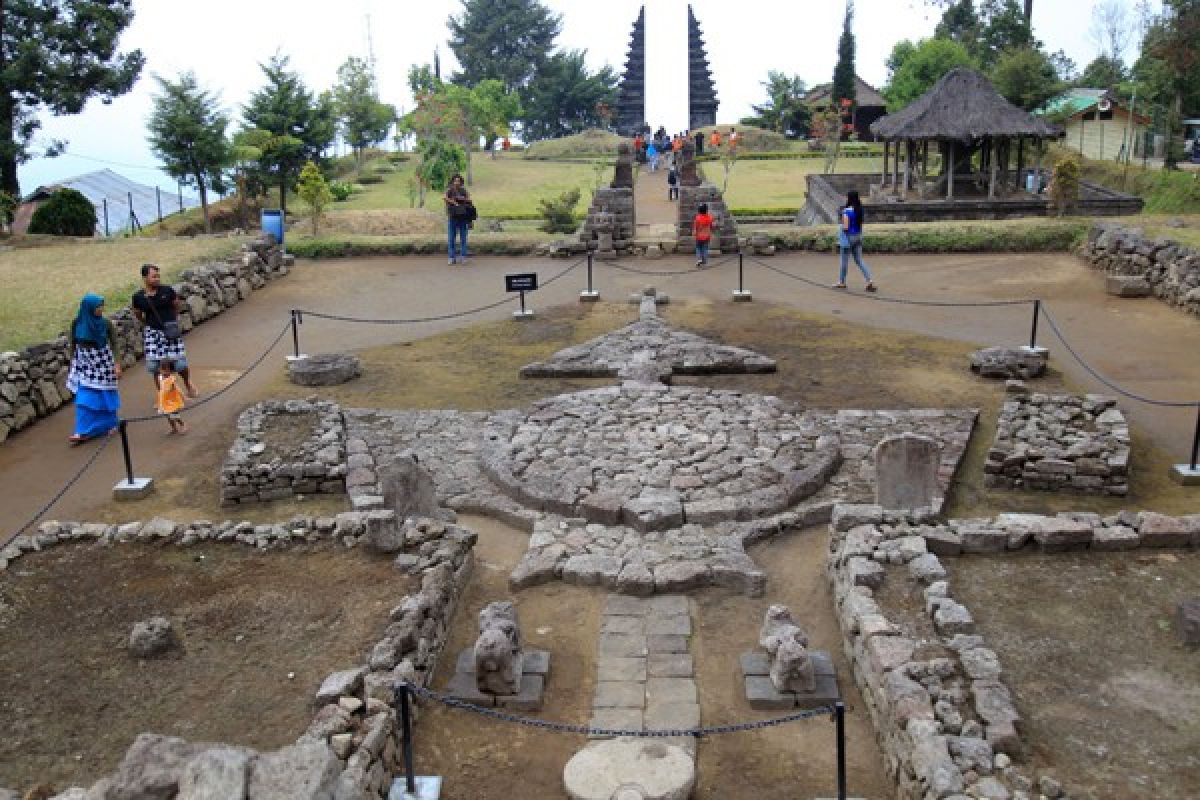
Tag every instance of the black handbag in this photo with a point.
(170, 328)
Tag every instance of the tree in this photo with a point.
(960, 23)
(314, 191)
(508, 40)
(845, 82)
(55, 55)
(785, 110)
(66, 213)
(564, 98)
(245, 152)
(187, 132)
(1005, 27)
(1025, 77)
(1172, 52)
(301, 126)
(362, 119)
(440, 160)
(1102, 73)
(914, 69)
(1110, 29)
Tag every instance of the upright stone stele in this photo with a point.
(906, 471)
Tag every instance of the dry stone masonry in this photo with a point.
(1060, 443)
(33, 382)
(1137, 266)
(286, 448)
(1009, 363)
(323, 369)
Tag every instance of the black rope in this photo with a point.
(564, 727)
(209, 398)
(437, 318)
(900, 300)
(58, 496)
(1116, 388)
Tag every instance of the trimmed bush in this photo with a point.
(559, 212)
(66, 213)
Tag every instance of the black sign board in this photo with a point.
(520, 282)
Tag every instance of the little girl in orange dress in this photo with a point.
(170, 398)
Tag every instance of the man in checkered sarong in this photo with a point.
(156, 305)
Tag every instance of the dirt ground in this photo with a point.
(1109, 696)
(259, 632)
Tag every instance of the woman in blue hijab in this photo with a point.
(95, 368)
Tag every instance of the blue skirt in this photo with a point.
(96, 411)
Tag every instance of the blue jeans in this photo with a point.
(456, 227)
(702, 251)
(855, 249)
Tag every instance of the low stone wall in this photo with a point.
(1172, 270)
(945, 721)
(725, 238)
(351, 748)
(33, 382)
(254, 471)
(1060, 443)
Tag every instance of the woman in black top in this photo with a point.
(459, 213)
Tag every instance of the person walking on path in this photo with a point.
(702, 226)
(652, 155)
(850, 240)
(95, 369)
(699, 143)
(170, 400)
(672, 183)
(715, 139)
(157, 308)
(459, 214)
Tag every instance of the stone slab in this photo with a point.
(529, 698)
(671, 690)
(672, 716)
(619, 645)
(619, 694)
(615, 719)
(621, 669)
(670, 665)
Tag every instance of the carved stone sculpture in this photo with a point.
(778, 625)
(792, 668)
(498, 660)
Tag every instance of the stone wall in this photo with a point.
(725, 238)
(946, 723)
(1060, 443)
(33, 382)
(611, 222)
(1172, 270)
(255, 470)
(352, 747)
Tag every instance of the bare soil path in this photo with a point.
(654, 211)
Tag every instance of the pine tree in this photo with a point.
(55, 55)
(844, 77)
(508, 40)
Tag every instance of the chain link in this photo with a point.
(564, 727)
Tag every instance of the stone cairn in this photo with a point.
(1060, 443)
(33, 382)
(788, 674)
(1137, 266)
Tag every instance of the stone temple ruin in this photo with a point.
(652, 491)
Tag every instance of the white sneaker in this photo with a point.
(450, 263)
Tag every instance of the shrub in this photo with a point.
(66, 213)
(8, 207)
(314, 191)
(369, 177)
(1064, 186)
(341, 191)
(559, 212)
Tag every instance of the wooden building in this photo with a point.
(869, 106)
(1097, 125)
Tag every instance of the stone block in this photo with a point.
(1056, 534)
(672, 716)
(528, 697)
(671, 690)
(619, 694)
(1127, 286)
(889, 652)
(983, 540)
(864, 572)
(1116, 537)
(616, 645)
(906, 472)
(1159, 530)
(463, 686)
(670, 665)
(621, 669)
(616, 719)
(676, 625)
(763, 696)
(666, 643)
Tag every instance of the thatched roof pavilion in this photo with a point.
(962, 114)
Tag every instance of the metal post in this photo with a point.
(106, 233)
(839, 716)
(125, 450)
(522, 304)
(410, 778)
(181, 198)
(295, 333)
(158, 199)
(1037, 310)
(589, 273)
(741, 273)
(1195, 441)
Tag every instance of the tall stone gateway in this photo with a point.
(702, 94)
(631, 100)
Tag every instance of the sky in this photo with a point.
(223, 42)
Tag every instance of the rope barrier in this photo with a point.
(899, 300)
(564, 727)
(437, 318)
(1115, 387)
(74, 479)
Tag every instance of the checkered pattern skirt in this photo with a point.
(159, 347)
(93, 368)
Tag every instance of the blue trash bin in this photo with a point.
(272, 223)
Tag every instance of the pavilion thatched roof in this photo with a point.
(962, 106)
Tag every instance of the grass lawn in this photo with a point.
(42, 284)
(777, 184)
(504, 186)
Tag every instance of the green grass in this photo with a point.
(777, 184)
(965, 236)
(1164, 191)
(514, 243)
(44, 279)
(505, 186)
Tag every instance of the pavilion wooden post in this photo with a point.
(896, 167)
(908, 155)
(1041, 147)
(948, 167)
(883, 177)
(1020, 162)
(992, 145)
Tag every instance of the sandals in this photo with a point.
(871, 287)
(77, 439)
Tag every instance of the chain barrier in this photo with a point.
(1115, 387)
(209, 398)
(439, 317)
(74, 479)
(564, 727)
(666, 273)
(899, 300)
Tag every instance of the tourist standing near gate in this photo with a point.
(715, 139)
(850, 240)
(672, 183)
(157, 308)
(652, 156)
(460, 212)
(702, 226)
(699, 143)
(95, 369)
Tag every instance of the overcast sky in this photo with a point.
(224, 41)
